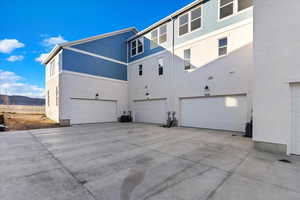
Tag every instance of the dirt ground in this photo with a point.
(16, 121)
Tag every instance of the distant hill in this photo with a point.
(21, 100)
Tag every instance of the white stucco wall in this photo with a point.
(277, 64)
(52, 110)
(77, 85)
(231, 74)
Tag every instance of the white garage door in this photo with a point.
(93, 111)
(224, 113)
(153, 111)
(296, 119)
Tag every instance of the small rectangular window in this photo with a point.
(140, 45)
(223, 43)
(187, 59)
(133, 48)
(196, 16)
(52, 67)
(56, 95)
(243, 4)
(226, 8)
(137, 46)
(140, 70)
(154, 39)
(162, 34)
(183, 24)
(160, 67)
(48, 98)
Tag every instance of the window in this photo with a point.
(187, 59)
(52, 67)
(140, 70)
(184, 24)
(223, 46)
(190, 21)
(48, 98)
(133, 48)
(243, 4)
(162, 34)
(196, 18)
(226, 8)
(154, 39)
(137, 46)
(56, 95)
(160, 67)
(230, 7)
(140, 42)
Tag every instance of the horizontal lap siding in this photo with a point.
(77, 62)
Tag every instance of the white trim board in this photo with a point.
(95, 55)
(92, 76)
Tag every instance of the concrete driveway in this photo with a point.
(140, 162)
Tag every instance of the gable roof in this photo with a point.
(58, 47)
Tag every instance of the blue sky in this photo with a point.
(31, 28)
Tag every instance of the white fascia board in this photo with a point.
(56, 49)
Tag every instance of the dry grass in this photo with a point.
(15, 121)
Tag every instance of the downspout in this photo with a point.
(174, 70)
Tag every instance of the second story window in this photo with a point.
(137, 46)
(223, 43)
(196, 16)
(190, 21)
(140, 70)
(162, 34)
(184, 24)
(52, 67)
(230, 7)
(48, 98)
(243, 4)
(160, 67)
(154, 39)
(226, 8)
(187, 59)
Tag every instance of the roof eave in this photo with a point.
(57, 48)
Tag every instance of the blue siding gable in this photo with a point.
(113, 46)
(77, 62)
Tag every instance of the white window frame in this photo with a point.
(219, 47)
(137, 46)
(185, 60)
(161, 66)
(56, 95)
(235, 10)
(138, 67)
(154, 45)
(48, 98)
(52, 67)
(189, 13)
(160, 34)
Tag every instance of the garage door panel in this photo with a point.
(225, 113)
(153, 111)
(93, 111)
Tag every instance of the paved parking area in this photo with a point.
(140, 162)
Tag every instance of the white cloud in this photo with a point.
(11, 83)
(52, 41)
(42, 57)
(15, 58)
(8, 45)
